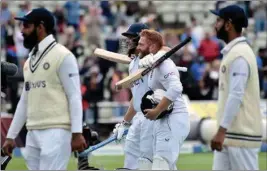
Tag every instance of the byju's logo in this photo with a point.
(38, 84)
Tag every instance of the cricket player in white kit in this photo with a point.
(50, 103)
(169, 132)
(238, 139)
(138, 149)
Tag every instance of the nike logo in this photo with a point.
(167, 139)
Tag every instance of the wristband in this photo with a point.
(126, 123)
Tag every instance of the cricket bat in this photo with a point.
(120, 58)
(101, 144)
(111, 56)
(128, 81)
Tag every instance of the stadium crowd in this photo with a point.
(83, 26)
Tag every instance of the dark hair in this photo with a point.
(48, 30)
(261, 50)
(135, 42)
(238, 28)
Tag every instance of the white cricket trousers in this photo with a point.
(169, 134)
(236, 158)
(48, 149)
(139, 141)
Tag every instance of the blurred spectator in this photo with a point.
(246, 6)
(121, 96)
(218, 4)
(260, 15)
(73, 13)
(198, 68)
(172, 40)
(4, 18)
(69, 37)
(151, 8)
(120, 16)
(262, 68)
(94, 23)
(21, 51)
(132, 7)
(94, 83)
(106, 12)
(77, 49)
(210, 81)
(24, 8)
(5, 13)
(187, 33)
(122, 27)
(60, 19)
(208, 48)
(190, 85)
(11, 56)
(197, 31)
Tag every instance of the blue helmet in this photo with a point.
(135, 29)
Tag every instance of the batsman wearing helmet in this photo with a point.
(138, 149)
(163, 103)
(50, 103)
(238, 138)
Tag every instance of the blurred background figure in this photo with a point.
(121, 97)
(210, 81)
(94, 84)
(208, 48)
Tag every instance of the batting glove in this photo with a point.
(148, 60)
(120, 128)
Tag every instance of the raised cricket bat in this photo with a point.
(120, 58)
(111, 56)
(128, 81)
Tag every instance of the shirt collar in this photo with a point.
(44, 43)
(229, 46)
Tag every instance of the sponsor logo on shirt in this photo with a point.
(73, 74)
(169, 74)
(240, 74)
(136, 82)
(32, 85)
(223, 69)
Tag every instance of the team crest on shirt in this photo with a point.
(46, 66)
(223, 69)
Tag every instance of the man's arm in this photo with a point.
(130, 112)
(20, 117)
(70, 78)
(169, 78)
(239, 73)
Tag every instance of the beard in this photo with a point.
(222, 34)
(143, 54)
(131, 46)
(30, 40)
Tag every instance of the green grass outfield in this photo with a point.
(198, 161)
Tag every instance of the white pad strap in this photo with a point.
(160, 164)
(144, 164)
